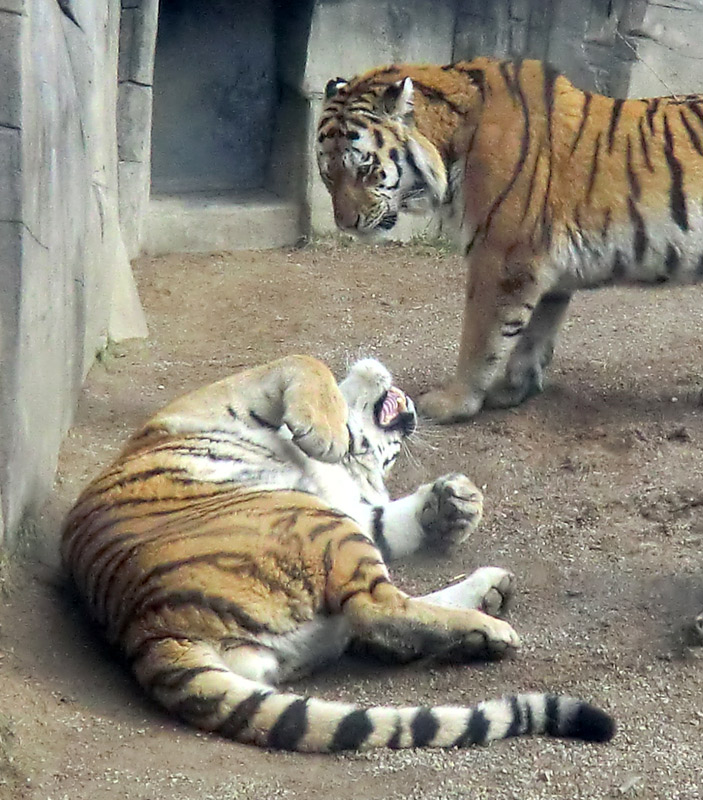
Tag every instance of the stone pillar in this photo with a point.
(134, 111)
(65, 280)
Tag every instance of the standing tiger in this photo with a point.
(555, 190)
(241, 539)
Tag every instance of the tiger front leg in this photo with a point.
(437, 516)
(501, 296)
(301, 393)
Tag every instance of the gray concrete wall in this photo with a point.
(65, 280)
(138, 25)
(343, 39)
(617, 47)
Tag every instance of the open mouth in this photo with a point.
(391, 411)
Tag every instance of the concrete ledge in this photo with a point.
(208, 222)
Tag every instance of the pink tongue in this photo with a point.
(389, 409)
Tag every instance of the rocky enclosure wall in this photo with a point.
(65, 279)
(622, 48)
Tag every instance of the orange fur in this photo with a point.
(557, 189)
(237, 541)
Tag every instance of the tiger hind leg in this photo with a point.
(396, 627)
(528, 363)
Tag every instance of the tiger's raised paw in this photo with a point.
(451, 511)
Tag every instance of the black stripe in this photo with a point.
(434, 95)
(379, 537)
(261, 421)
(607, 217)
(324, 527)
(529, 718)
(594, 168)
(672, 260)
(645, 146)
(632, 179)
(513, 328)
(584, 118)
(692, 135)
(352, 731)
(240, 716)
(619, 265)
(424, 727)
(640, 236)
(652, 107)
(510, 84)
(354, 537)
(347, 596)
(695, 108)
(475, 731)
(378, 138)
(476, 76)
(377, 581)
(551, 711)
(195, 708)
(178, 677)
(516, 723)
(171, 600)
(524, 148)
(530, 187)
(361, 565)
(676, 195)
(291, 727)
(410, 158)
(614, 118)
(550, 76)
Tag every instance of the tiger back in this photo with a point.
(241, 539)
(554, 189)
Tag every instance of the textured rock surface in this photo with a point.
(65, 282)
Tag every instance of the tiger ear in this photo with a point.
(334, 86)
(398, 100)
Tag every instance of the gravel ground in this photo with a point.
(594, 498)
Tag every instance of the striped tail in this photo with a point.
(210, 696)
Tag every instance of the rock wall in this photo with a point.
(65, 279)
(616, 47)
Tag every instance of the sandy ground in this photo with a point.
(594, 498)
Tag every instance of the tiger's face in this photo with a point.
(372, 159)
(380, 415)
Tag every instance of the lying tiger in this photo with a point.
(555, 189)
(241, 539)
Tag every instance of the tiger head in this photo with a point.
(372, 158)
(380, 416)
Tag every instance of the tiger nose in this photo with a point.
(346, 219)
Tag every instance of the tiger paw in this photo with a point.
(494, 588)
(518, 385)
(451, 404)
(487, 589)
(488, 638)
(451, 512)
